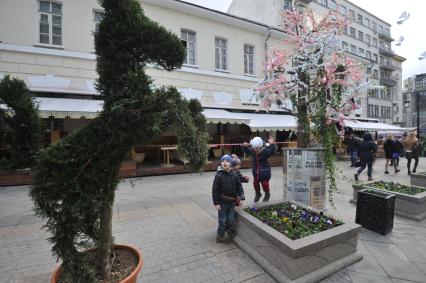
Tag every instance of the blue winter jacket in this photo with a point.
(260, 169)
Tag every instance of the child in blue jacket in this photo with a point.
(261, 170)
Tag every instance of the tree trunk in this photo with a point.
(103, 253)
(303, 127)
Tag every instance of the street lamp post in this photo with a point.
(418, 112)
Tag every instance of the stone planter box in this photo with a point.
(308, 259)
(413, 207)
(374, 210)
(418, 180)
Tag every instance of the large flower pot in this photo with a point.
(418, 179)
(308, 259)
(409, 206)
(132, 278)
(374, 210)
(304, 176)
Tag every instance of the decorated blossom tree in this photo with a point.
(320, 80)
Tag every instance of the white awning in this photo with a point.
(367, 126)
(223, 116)
(270, 122)
(67, 107)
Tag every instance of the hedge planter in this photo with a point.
(131, 278)
(410, 201)
(307, 259)
(374, 210)
(418, 179)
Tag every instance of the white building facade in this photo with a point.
(51, 47)
(367, 39)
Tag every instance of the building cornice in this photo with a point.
(46, 51)
(217, 16)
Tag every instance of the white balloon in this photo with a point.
(404, 16)
(399, 41)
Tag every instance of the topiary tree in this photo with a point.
(75, 180)
(20, 125)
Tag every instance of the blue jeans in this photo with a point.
(368, 164)
(225, 218)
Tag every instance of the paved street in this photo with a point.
(172, 221)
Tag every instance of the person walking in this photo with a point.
(353, 147)
(261, 169)
(391, 153)
(367, 148)
(412, 151)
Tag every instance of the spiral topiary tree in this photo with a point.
(20, 125)
(75, 179)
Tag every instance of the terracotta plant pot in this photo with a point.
(129, 279)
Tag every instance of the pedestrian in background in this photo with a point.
(367, 148)
(353, 148)
(412, 151)
(391, 149)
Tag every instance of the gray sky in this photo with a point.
(413, 30)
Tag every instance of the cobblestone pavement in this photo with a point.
(172, 221)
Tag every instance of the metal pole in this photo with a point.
(418, 113)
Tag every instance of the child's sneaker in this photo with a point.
(225, 239)
(257, 197)
(267, 196)
(370, 178)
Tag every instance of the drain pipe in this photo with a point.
(266, 50)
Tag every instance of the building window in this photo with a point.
(188, 40)
(361, 52)
(359, 19)
(368, 55)
(221, 54)
(374, 26)
(352, 14)
(288, 5)
(248, 59)
(376, 72)
(323, 2)
(343, 10)
(374, 42)
(352, 32)
(368, 39)
(333, 5)
(360, 35)
(380, 28)
(367, 22)
(50, 23)
(97, 18)
(345, 46)
(353, 49)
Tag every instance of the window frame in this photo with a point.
(51, 15)
(253, 48)
(221, 54)
(187, 61)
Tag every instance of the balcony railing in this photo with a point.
(386, 51)
(388, 81)
(387, 66)
(385, 36)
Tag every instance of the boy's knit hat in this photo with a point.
(227, 158)
(256, 142)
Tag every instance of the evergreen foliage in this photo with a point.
(20, 126)
(75, 180)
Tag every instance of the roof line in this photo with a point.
(230, 15)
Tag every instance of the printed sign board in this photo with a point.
(304, 177)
